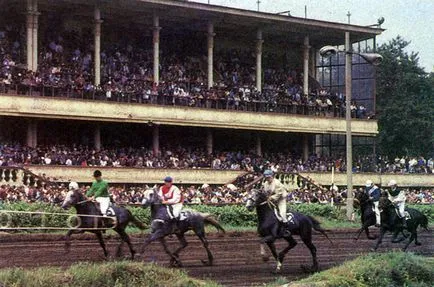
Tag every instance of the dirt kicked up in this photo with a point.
(237, 255)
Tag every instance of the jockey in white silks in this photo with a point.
(278, 195)
(171, 196)
(398, 198)
(374, 194)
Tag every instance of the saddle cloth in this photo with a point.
(290, 217)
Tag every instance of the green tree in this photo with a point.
(405, 102)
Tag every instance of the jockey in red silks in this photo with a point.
(171, 197)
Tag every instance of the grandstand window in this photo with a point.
(330, 74)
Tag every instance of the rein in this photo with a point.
(83, 201)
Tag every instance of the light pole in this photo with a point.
(372, 58)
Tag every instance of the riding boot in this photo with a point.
(404, 222)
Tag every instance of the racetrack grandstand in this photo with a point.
(202, 92)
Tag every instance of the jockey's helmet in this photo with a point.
(168, 179)
(369, 183)
(97, 173)
(268, 173)
(392, 183)
(73, 185)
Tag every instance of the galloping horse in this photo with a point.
(367, 214)
(268, 229)
(391, 222)
(95, 223)
(163, 226)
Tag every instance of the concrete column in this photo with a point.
(97, 138)
(209, 141)
(318, 144)
(97, 44)
(35, 36)
(312, 62)
(349, 144)
(210, 55)
(306, 66)
(29, 34)
(32, 134)
(156, 39)
(258, 145)
(259, 42)
(305, 147)
(156, 139)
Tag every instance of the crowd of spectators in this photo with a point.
(195, 158)
(66, 70)
(205, 194)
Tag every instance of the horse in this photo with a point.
(269, 230)
(392, 223)
(89, 219)
(163, 226)
(367, 214)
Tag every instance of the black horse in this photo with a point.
(89, 219)
(367, 214)
(163, 226)
(269, 229)
(392, 223)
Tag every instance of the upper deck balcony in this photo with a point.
(254, 116)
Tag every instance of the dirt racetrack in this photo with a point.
(237, 259)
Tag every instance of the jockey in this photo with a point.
(374, 194)
(397, 197)
(171, 197)
(277, 194)
(99, 192)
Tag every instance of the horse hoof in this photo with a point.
(372, 237)
(418, 243)
(207, 263)
(373, 249)
(277, 271)
(309, 269)
(265, 258)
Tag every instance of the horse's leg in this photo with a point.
(183, 242)
(380, 238)
(409, 241)
(68, 240)
(272, 247)
(125, 238)
(208, 252)
(264, 255)
(173, 260)
(306, 237)
(358, 233)
(415, 239)
(291, 244)
(101, 242)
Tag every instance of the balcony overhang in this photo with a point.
(61, 108)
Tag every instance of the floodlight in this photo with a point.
(328, 51)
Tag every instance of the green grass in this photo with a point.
(376, 270)
(116, 274)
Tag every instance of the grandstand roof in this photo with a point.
(195, 16)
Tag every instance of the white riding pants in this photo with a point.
(104, 204)
(174, 210)
(281, 205)
(400, 209)
(377, 212)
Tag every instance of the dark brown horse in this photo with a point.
(89, 219)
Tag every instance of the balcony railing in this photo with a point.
(200, 100)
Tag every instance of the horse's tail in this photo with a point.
(424, 222)
(316, 225)
(209, 219)
(136, 222)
